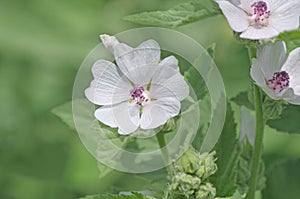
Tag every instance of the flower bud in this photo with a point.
(207, 165)
(189, 162)
(206, 191)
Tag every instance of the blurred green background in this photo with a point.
(42, 44)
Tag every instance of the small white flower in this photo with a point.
(141, 92)
(276, 73)
(261, 19)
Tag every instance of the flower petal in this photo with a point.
(170, 61)
(295, 100)
(159, 112)
(108, 86)
(133, 61)
(105, 115)
(271, 58)
(235, 16)
(257, 74)
(292, 67)
(246, 5)
(283, 5)
(168, 82)
(260, 79)
(259, 33)
(285, 15)
(236, 2)
(125, 116)
(290, 96)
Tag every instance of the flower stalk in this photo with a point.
(162, 145)
(258, 144)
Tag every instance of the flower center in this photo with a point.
(140, 96)
(279, 82)
(259, 17)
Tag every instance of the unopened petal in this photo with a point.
(109, 42)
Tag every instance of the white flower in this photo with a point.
(141, 92)
(261, 19)
(278, 74)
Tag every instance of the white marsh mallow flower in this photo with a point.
(141, 91)
(277, 73)
(261, 19)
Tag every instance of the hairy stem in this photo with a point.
(258, 145)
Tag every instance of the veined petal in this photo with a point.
(295, 100)
(257, 74)
(105, 115)
(260, 79)
(168, 82)
(290, 96)
(108, 86)
(125, 116)
(132, 61)
(236, 17)
(259, 33)
(280, 6)
(159, 112)
(285, 15)
(271, 57)
(170, 61)
(292, 67)
(236, 2)
(246, 5)
(270, 93)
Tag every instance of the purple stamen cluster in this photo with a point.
(138, 95)
(279, 82)
(260, 14)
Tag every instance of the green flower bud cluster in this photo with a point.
(191, 173)
(273, 109)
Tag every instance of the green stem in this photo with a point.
(162, 145)
(258, 145)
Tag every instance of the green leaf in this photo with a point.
(227, 155)
(244, 170)
(115, 196)
(291, 45)
(288, 122)
(64, 112)
(244, 99)
(211, 50)
(195, 79)
(196, 82)
(179, 15)
(291, 38)
(110, 139)
(205, 108)
(283, 181)
(287, 36)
